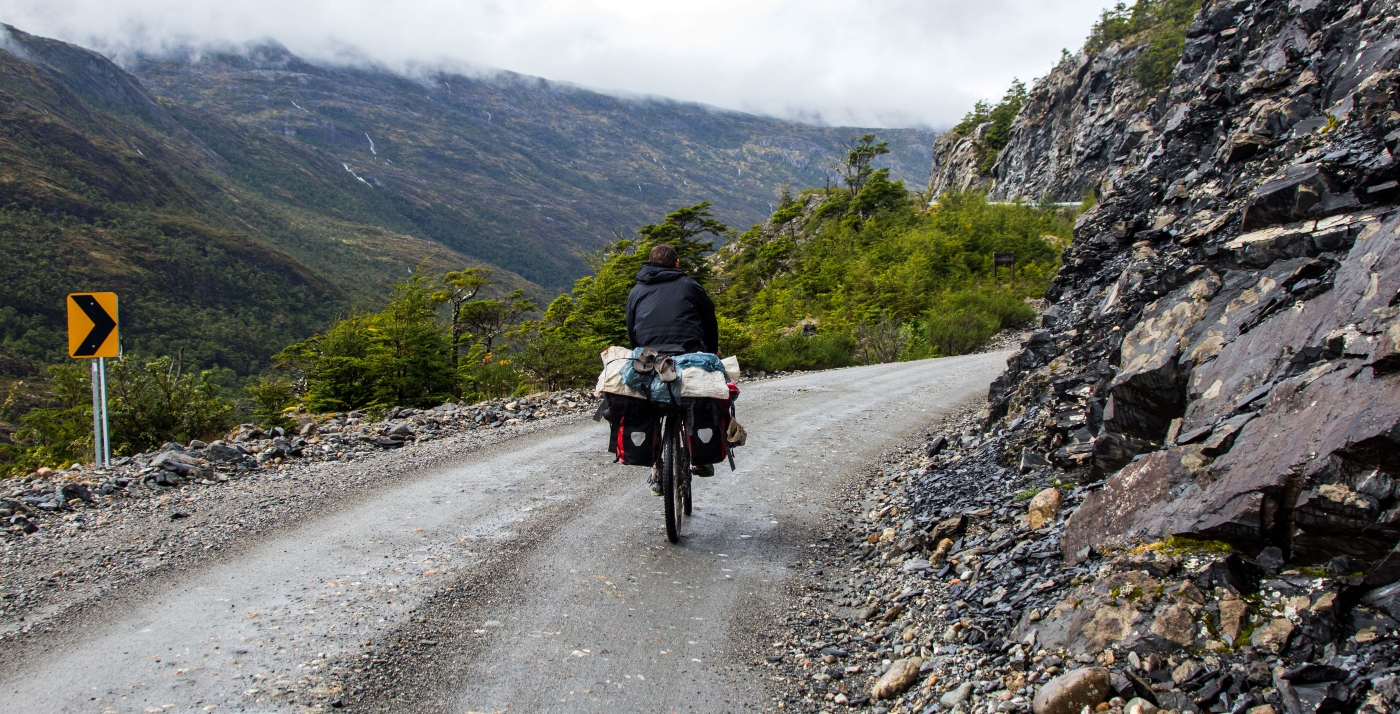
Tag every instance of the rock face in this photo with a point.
(1221, 350)
(955, 161)
(1077, 122)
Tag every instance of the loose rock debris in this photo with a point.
(73, 534)
(934, 593)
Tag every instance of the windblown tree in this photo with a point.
(459, 288)
(487, 320)
(859, 156)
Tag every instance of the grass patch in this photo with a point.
(1182, 545)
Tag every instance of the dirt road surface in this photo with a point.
(531, 576)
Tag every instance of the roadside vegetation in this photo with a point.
(860, 273)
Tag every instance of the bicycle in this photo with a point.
(675, 469)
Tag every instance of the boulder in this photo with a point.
(936, 446)
(1234, 614)
(1044, 507)
(1386, 598)
(940, 554)
(1092, 617)
(947, 528)
(901, 675)
(73, 490)
(1273, 635)
(1069, 693)
(1138, 705)
(956, 695)
(1033, 461)
(223, 453)
(1300, 191)
(176, 461)
(1175, 623)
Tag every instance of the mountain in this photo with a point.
(238, 200)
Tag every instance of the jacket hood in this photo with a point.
(652, 273)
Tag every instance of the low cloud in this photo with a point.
(889, 63)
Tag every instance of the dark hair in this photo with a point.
(663, 254)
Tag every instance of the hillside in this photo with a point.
(238, 201)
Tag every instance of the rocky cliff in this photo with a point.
(1220, 359)
(1077, 122)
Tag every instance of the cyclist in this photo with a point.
(668, 311)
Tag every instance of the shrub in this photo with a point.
(270, 396)
(553, 361)
(798, 352)
(963, 321)
(399, 356)
(59, 431)
(152, 402)
(960, 331)
(484, 377)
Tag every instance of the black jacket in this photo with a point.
(667, 307)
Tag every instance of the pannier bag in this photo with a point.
(635, 433)
(707, 430)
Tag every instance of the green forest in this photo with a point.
(861, 273)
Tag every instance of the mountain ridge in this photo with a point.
(327, 184)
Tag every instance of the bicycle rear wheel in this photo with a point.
(671, 461)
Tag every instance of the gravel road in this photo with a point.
(530, 575)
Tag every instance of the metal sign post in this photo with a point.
(92, 334)
(106, 435)
(1007, 259)
(99, 411)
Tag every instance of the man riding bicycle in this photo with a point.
(668, 311)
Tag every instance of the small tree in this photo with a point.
(859, 155)
(336, 366)
(597, 304)
(410, 363)
(57, 433)
(271, 395)
(460, 287)
(157, 401)
(489, 319)
(554, 355)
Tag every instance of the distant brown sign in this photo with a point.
(1007, 259)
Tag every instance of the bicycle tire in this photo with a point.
(670, 454)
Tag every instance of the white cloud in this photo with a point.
(872, 63)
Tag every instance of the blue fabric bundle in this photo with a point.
(651, 386)
(703, 360)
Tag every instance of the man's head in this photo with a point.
(665, 255)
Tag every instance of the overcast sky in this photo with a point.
(882, 63)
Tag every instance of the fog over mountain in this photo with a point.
(836, 62)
